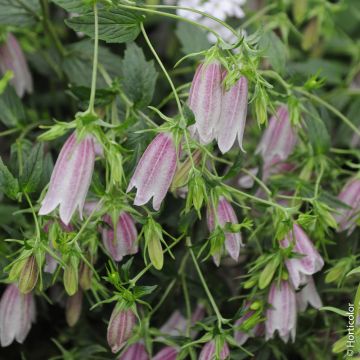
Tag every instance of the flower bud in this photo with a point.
(261, 107)
(17, 313)
(182, 173)
(299, 11)
(197, 192)
(311, 34)
(29, 275)
(71, 275)
(121, 324)
(73, 308)
(153, 237)
(85, 276)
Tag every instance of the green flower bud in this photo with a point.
(261, 106)
(153, 237)
(29, 275)
(299, 10)
(73, 308)
(268, 273)
(71, 275)
(311, 34)
(85, 276)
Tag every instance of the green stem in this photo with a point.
(163, 69)
(206, 288)
(95, 62)
(34, 216)
(258, 15)
(161, 13)
(49, 28)
(223, 23)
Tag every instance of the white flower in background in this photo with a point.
(221, 9)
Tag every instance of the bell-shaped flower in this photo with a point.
(281, 314)
(17, 313)
(242, 336)
(278, 140)
(12, 58)
(225, 214)
(233, 116)
(167, 353)
(208, 351)
(310, 261)
(350, 195)
(71, 178)
(175, 325)
(155, 171)
(120, 327)
(308, 295)
(135, 351)
(205, 100)
(125, 240)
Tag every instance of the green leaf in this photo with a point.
(115, 26)
(139, 76)
(275, 50)
(334, 310)
(20, 13)
(11, 108)
(33, 168)
(73, 6)
(140, 291)
(8, 184)
(268, 273)
(192, 38)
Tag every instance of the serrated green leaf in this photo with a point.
(20, 13)
(115, 26)
(11, 108)
(73, 6)
(8, 184)
(138, 76)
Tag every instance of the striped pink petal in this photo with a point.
(208, 352)
(350, 195)
(308, 295)
(225, 214)
(135, 351)
(281, 315)
(155, 171)
(279, 138)
(12, 58)
(175, 325)
(167, 353)
(125, 241)
(205, 100)
(71, 178)
(233, 116)
(309, 264)
(120, 328)
(17, 313)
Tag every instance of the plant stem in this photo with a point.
(206, 288)
(49, 28)
(95, 62)
(34, 215)
(163, 69)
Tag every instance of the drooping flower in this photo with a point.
(308, 295)
(350, 195)
(73, 308)
(205, 100)
(278, 141)
(17, 313)
(233, 116)
(12, 58)
(242, 336)
(175, 325)
(71, 178)
(225, 214)
(209, 350)
(311, 261)
(135, 351)
(167, 353)
(155, 171)
(125, 241)
(121, 324)
(282, 314)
